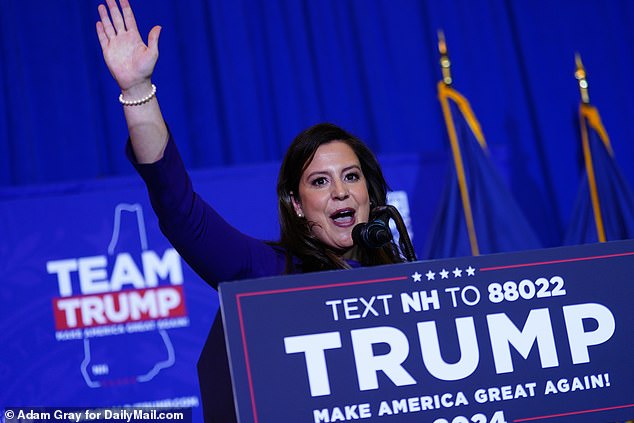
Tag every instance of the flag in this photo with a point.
(604, 210)
(477, 213)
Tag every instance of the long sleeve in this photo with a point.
(214, 249)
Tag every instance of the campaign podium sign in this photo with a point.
(535, 336)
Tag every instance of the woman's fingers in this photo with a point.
(115, 22)
(105, 22)
(153, 37)
(115, 14)
(128, 15)
(101, 34)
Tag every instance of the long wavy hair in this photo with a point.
(305, 252)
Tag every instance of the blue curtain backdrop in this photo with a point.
(237, 79)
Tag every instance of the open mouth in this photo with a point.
(343, 217)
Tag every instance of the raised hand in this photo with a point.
(129, 60)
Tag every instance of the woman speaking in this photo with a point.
(329, 182)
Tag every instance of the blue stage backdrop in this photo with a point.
(98, 310)
(238, 79)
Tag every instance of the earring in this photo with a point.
(300, 215)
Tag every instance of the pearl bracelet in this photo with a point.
(139, 101)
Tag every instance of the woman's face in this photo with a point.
(333, 194)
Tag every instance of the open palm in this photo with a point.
(129, 60)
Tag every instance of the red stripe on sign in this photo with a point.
(118, 307)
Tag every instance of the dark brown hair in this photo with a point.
(295, 232)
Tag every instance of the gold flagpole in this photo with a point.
(589, 117)
(444, 93)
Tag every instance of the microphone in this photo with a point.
(374, 234)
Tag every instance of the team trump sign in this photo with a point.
(533, 336)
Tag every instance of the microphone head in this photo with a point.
(356, 233)
(374, 234)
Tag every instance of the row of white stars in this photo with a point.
(444, 274)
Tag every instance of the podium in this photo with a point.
(535, 336)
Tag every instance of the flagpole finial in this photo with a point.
(580, 75)
(445, 64)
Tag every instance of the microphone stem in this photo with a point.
(404, 241)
